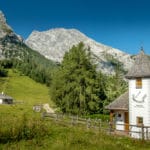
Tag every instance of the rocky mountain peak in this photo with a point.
(2, 17)
(54, 43)
(4, 27)
(9, 40)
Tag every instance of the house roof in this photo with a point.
(3, 96)
(121, 103)
(141, 67)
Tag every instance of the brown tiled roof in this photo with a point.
(121, 103)
(141, 67)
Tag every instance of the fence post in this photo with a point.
(100, 122)
(77, 118)
(88, 123)
(110, 127)
(142, 130)
(95, 123)
(72, 120)
(56, 118)
(146, 133)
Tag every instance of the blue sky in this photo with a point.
(122, 24)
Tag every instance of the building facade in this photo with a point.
(132, 109)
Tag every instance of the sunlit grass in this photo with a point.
(50, 135)
(23, 129)
(25, 92)
(25, 89)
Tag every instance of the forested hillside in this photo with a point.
(29, 62)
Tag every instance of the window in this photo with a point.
(139, 121)
(139, 83)
(119, 115)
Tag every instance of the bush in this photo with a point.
(22, 129)
(3, 72)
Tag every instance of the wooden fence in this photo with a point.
(139, 132)
(136, 131)
(72, 120)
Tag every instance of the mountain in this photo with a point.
(16, 53)
(4, 27)
(55, 42)
(52, 45)
(8, 39)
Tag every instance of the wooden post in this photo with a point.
(111, 115)
(95, 123)
(56, 117)
(110, 127)
(111, 121)
(146, 133)
(99, 120)
(142, 130)
(72, 120)
(88, 123)
(77, 120)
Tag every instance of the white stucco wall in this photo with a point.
(1, 101)
(139, 104)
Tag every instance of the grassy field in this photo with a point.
(24, 89)
(48, 135)
(23, 129)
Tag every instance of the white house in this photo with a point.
(131, 111)
(4, 99)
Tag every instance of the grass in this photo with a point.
(24, 89)
(23, 129)
(25, 93)
(17, 118)
(49, 135)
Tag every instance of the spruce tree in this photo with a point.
(74, 85)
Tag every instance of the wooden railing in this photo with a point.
(135, 131)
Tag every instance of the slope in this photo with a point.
(24, 90)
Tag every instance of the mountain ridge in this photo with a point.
(55, 42)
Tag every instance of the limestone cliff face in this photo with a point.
(55, 42)
(11, 44)
(4, 27)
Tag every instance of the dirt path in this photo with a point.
(48, 108)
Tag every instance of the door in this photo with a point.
(126, 114)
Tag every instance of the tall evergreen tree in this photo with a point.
(74, 87)
(115, 85)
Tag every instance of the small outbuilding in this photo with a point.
(5, 99)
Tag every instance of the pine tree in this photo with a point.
(74, 88)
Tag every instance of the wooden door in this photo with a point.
(126, 127)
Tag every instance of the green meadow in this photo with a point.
(24, 89)
(23, 129)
